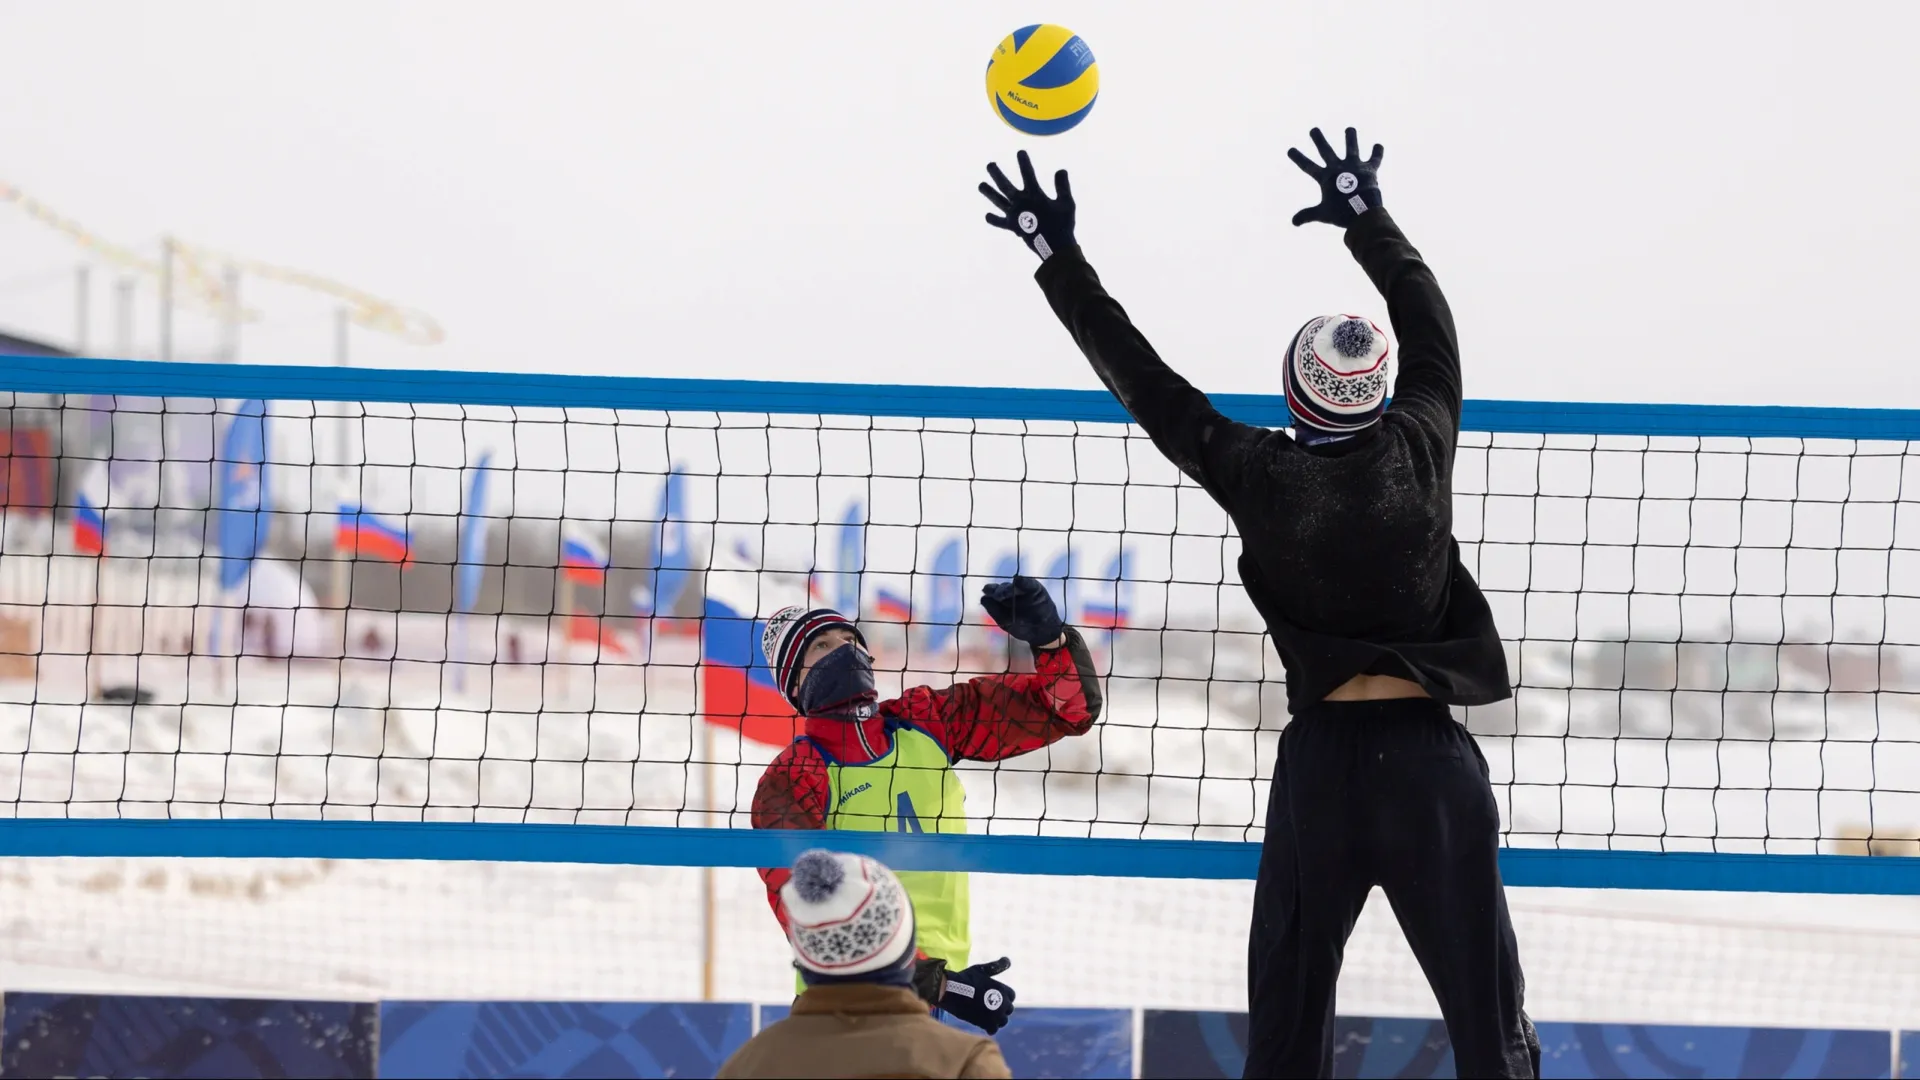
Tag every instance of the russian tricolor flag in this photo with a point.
(737, 689)
(90, 513)
(892, 606)
(592, 629)
(361, 533)
(583, 561)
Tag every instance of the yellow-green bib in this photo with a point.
(912, 788)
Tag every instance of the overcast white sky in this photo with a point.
(1708, 202)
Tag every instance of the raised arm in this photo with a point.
(1001, 716)
(1428, 385)
(1178, 418)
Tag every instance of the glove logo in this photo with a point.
(1028, 223)
(1347, 183)
(992, 1000)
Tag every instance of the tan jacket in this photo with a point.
(860, 1030)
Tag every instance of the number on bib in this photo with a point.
(909, 821)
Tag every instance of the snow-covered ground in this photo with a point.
(615, 746)
(365, 930)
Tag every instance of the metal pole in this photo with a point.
(343, 433)
(230, 346)
(123, 318)
(709, 923)
(82, 309)
(166, 298)
(342, 569)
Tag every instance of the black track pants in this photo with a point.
(1395, 794)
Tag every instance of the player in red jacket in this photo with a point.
(873, 765)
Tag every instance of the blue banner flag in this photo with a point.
(853, 560)
(473, 539)
(946, 599)
(668, 551)
(241, 492)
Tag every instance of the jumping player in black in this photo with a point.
(1348, 554)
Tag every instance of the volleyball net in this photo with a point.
(465, 620)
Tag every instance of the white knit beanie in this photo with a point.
(1337, 374)
(846, 914)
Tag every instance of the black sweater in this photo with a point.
(1347, 550)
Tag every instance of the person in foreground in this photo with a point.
(873, 765)
(851, 925)
(1347, 544)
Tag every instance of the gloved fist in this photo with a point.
(1045, 224)
(1349, 187)
(974, 995)
(1024, 610)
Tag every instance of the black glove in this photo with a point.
(974, 995)
(1349, 187)
(1024, 610)
(1045, 224)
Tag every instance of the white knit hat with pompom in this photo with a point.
(1336, 377)
(846, 914)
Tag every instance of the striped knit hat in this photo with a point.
(787, 636)
(1337, 374)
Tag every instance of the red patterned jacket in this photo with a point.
(990, 718)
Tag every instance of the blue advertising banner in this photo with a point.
(1634, 1050)
(1189, 1044)
(165, 1037)
(1096, 1044)
(558, 1039)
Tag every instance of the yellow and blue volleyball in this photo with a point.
(1042, 79)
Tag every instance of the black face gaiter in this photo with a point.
(840, 684)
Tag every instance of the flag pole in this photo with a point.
(93, 601)
(123, 318)
(82, 308)
(709, 923)
(457, 622)
(166, 298)
(343, 554)
(230, 322)
(342, 558)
